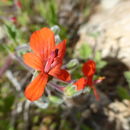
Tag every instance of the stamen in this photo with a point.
(50, 60)
(56, 52)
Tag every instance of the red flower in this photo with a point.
(47, 59)
(18, 4)
(88, 69)
(13, 19)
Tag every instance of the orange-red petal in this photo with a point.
(80, 84)
(61, 49)
(33, 61)
(60, 74)
(90, 80)
(95, 92)
(89, 68)
(36, 88)
(42, 42)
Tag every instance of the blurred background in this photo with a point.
(94, 29)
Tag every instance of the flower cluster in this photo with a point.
(47, 59)
(88, 69)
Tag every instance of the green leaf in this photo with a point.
(72, 63)
(3, 48)
(101, 64)
(127, 76)
(76, 72)
(11, 30)
(85, 51)
(8, 103)
(84, 127)
(55, 99)
(123, 93)
(5, 125)
(54, 16)
(23, 19)
(14, 34)
(53, 126)
(98, 56)
(49, 6)
(65, 125)
(70, 90)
